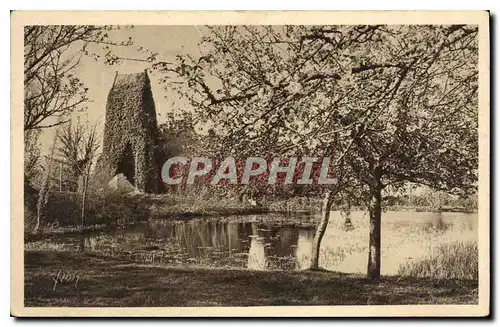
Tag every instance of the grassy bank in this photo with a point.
(63, 211)
(430, 209)
(171, 206)
(454, 260)
(96, 281)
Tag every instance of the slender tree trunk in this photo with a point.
(348, 226)
(348, 222)
(60, 177)
(82, 243)
(375, 209)
(84, 195)
(43, 195)
(320, 231)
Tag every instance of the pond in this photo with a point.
(273, 241)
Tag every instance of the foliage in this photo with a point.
(130, 143)
(177, 136)
(63, 209)
(388, 94)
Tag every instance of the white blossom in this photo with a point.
(294, 88)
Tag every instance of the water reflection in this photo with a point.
(280, 244)
(88, 243)
(252, 245)
(304, 249)
(257, 252)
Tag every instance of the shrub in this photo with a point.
(295, 204)
(64, 209)
(457, 260)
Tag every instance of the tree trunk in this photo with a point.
(320, 231)
(84, 195)
(375, 208)
(348, 226)
(60, 177)
(43, 195)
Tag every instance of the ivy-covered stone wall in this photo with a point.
(130, 134)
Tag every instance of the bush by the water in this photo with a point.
(295, 204)
(458, 260)
(65, 209)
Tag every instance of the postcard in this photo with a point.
(250, 164)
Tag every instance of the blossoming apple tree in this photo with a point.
(390, 104)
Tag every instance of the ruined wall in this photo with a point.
(130, 134)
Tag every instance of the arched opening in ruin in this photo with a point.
(127, 164)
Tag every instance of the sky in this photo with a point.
(167, 41)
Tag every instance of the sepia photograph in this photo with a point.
(250, 164)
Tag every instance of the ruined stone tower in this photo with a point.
(130, 134)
